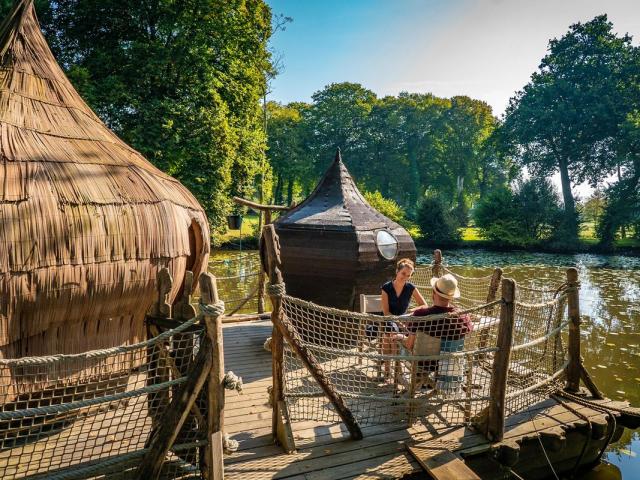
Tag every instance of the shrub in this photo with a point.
(436, 222)
(389, 208)
(530, 214)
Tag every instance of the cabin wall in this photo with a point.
(319, 265)
(373, 269)
(332, 268)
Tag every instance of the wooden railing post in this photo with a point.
(214, 461)
(271, 254)
(495, 417)
(574, 367)
(496, 277)
(436, 269)
(262, 273)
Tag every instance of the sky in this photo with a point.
(486, 49)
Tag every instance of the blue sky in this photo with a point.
(486, 49)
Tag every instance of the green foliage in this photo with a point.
(178, 81)
(530, 214)
(389, 208)
(436, 223)
(566, 118)
(623, 198)
(400, 146)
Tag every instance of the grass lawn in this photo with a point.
(249, 225)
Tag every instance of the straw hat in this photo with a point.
(446, 286)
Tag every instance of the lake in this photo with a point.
(610, 307)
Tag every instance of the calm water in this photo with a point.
(610, 306)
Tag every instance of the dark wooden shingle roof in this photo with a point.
(336, 204)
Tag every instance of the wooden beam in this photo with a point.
(573, 369)
(164, 282)
(285, 434)
(158, 369)
(258, 206)
(214, 464)
(441, 464)
(495, 417)
(290, 334)
(177, 412)
(589, 383)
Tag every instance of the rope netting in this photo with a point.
(398, 369)
(474, 290)
(391, 369)
(90, 415)
(237, 280)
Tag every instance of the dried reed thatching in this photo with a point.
(85, 220)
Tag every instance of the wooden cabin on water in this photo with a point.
(86, 221)
(335, 246)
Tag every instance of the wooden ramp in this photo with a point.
(324, 450)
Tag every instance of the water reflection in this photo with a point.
(610, 307)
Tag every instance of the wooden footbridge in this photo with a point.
(325, 450)
(505, 399)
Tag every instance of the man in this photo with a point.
(447, 326)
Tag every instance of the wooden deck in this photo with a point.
(324, 451)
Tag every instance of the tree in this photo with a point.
(386, 207)
(566, 118)
(179, 81)
(286, 153)
(529, 214)
(436, 223)
(337, 118)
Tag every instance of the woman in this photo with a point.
(396, 296)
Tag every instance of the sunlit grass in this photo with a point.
(471, 234)
(249, 225)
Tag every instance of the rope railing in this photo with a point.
(103, 412)
(395, 369)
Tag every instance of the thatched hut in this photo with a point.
(86, 221)
(335, 246)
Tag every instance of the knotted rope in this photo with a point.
(232, 382)
(276, 289)
(212, 310)
(229, 445)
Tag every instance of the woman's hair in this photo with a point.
(404, 262)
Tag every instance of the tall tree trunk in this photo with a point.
(277, 195)
(569, 202)
(290, 192)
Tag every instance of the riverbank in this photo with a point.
(247, 238)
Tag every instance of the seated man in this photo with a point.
(450, 329)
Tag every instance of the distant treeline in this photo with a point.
(448, 161)
(185, 84)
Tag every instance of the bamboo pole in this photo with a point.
(495, 418)
(214, 464)
(436, 269)
(575, 362)
(288, 332)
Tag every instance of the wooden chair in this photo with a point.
(370, 304)
(421, 375)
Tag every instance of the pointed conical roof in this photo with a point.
(86, 221)
(336, 204)
(45, 123)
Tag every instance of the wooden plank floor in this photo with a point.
(324, 451)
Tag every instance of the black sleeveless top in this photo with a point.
(398, 304)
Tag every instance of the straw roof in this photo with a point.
(85, 220)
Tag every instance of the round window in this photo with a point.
(387, 244)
